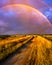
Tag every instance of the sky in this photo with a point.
(11, 22)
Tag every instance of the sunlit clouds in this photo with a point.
(23, 19)
(25, 16)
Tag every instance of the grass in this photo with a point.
(40, 50)
(49, 37)
(11, 46)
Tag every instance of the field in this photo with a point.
(26, 49)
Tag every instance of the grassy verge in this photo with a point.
(9, 48)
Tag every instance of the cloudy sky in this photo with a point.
(25, 16)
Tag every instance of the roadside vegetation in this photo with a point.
(11, 45)
(40, 50)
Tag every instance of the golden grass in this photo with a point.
(11, 46)
(40, 52)
(49, 37)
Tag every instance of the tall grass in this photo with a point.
(12, 46)
(41, 52)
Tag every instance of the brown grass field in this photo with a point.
(26, 50)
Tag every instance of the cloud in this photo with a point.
(3, 24)
(29, 21)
